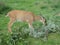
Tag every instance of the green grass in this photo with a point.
(53, 39)
(48, 8)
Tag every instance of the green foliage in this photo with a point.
(4, 8)
(21, 33)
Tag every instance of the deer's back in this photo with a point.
(21, 15)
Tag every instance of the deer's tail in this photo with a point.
(7, 15)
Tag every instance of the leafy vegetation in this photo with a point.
(49, 9)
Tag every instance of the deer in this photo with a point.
(23, 16)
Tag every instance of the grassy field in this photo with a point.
(48, 8)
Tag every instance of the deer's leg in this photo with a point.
(31, 28)
(10, 24)
(30, 25)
